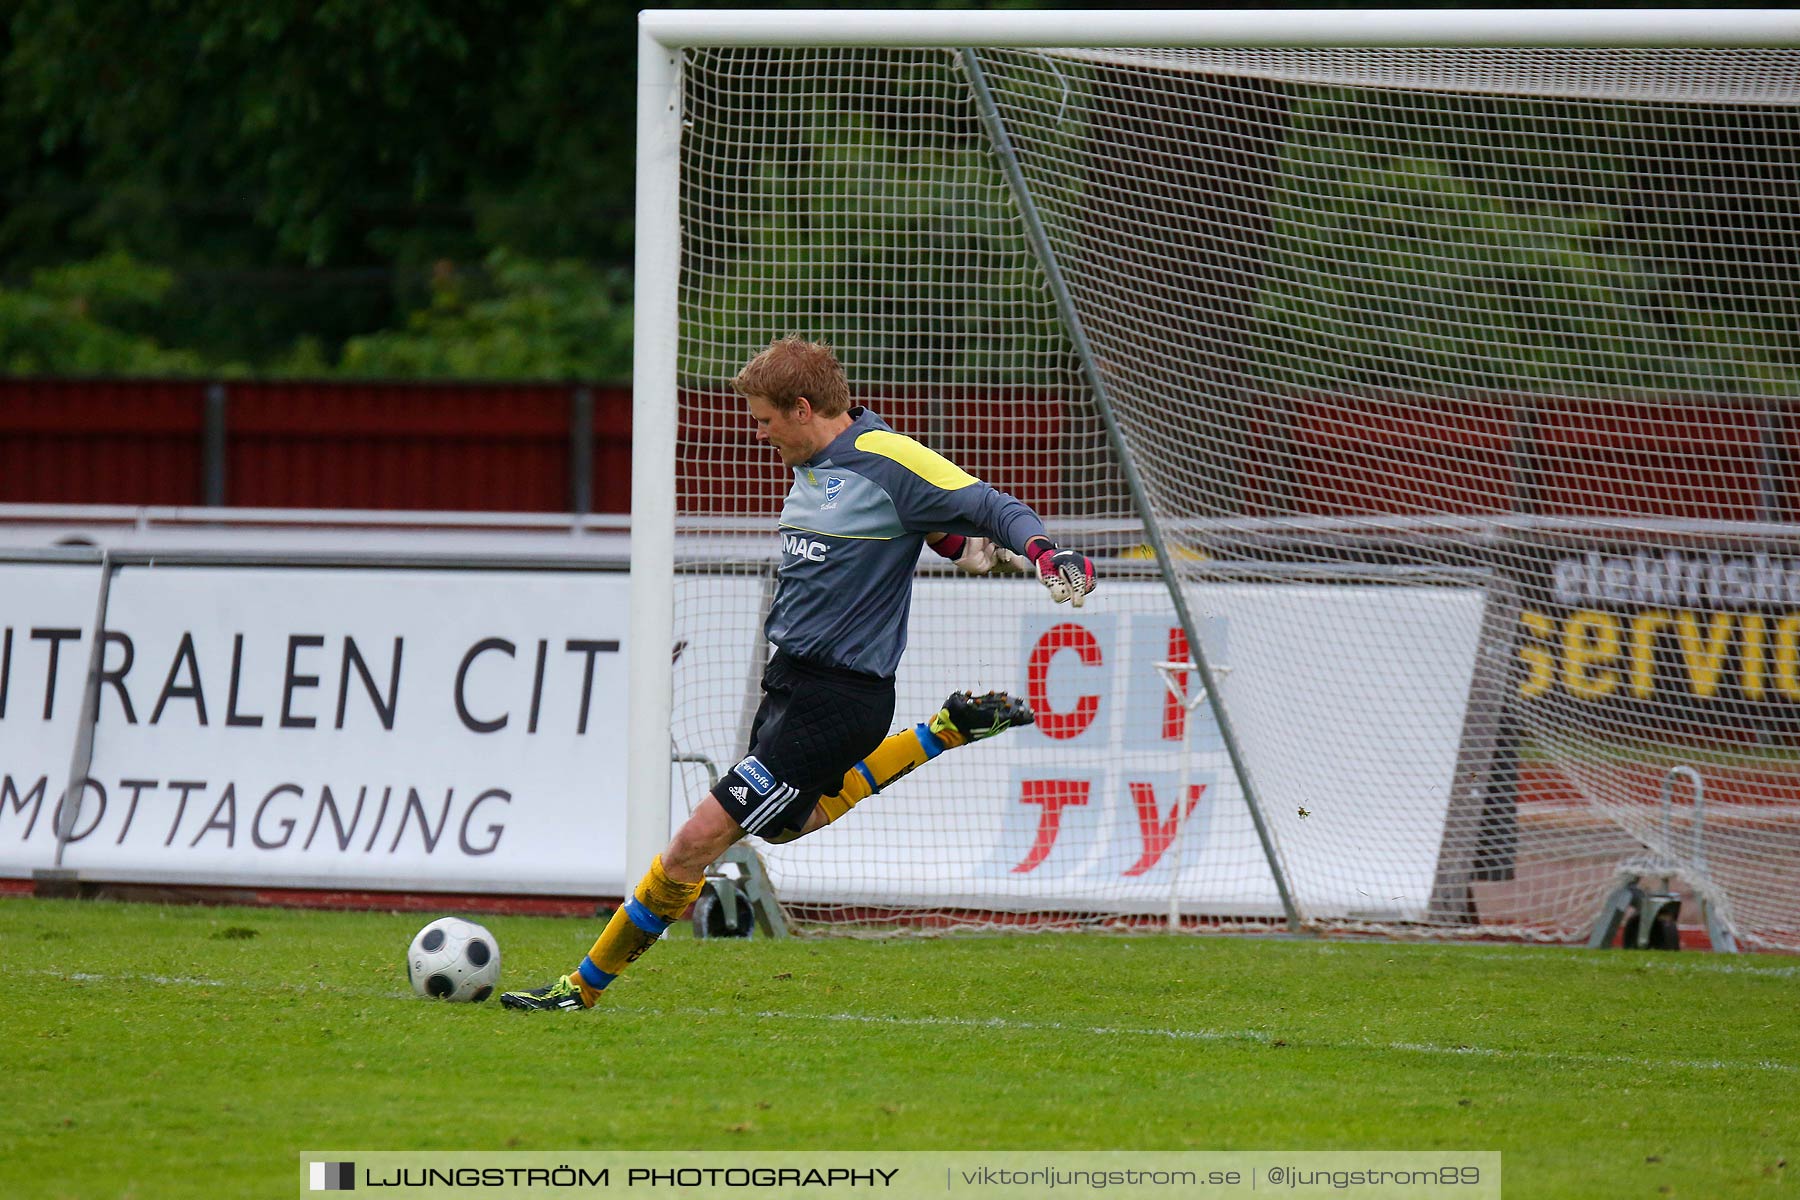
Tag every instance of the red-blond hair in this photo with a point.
(793, 367)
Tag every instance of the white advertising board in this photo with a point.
(455, 730)
(308, 727)
(1078, 811)
(46, 638)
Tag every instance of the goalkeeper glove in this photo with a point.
(1069, 574)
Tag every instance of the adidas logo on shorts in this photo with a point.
(740, 793)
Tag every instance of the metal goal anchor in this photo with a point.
(1643, 919)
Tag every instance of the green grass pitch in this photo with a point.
(173, 1051)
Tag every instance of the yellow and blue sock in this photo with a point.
(635, 925)
(897, 755)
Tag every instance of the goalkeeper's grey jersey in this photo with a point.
(851, 531)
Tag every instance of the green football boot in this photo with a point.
(978, 717)
(560, 996)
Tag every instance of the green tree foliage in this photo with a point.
(1395, 262)
(63, 322)
(298, 171)
(302, 166)
(527, 320)
(809, 220)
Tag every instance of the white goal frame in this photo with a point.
(664, 34)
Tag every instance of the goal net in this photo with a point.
(1438, 406)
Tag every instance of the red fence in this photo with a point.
(444, 447)
(101, 443)
(1728, 459)
(490, 447)
(563, 447)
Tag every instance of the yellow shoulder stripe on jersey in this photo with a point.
(927, 464)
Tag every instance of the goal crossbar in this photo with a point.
(1616, 27)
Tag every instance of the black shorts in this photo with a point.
(815, 723)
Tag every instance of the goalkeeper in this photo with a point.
(863, 500)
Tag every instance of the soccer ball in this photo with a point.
(453, 959)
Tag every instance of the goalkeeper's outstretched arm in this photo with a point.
(1067, 574)
(933, 495)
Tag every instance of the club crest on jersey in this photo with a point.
(833, 485)
(756, 775)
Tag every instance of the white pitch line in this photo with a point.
(1680, 966)
(1001, 1023)
(190, 981)
(1005, 1025)
(1227, 1035)
(172, 980)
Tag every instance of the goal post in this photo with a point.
(653, 441)
(1426, 378)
